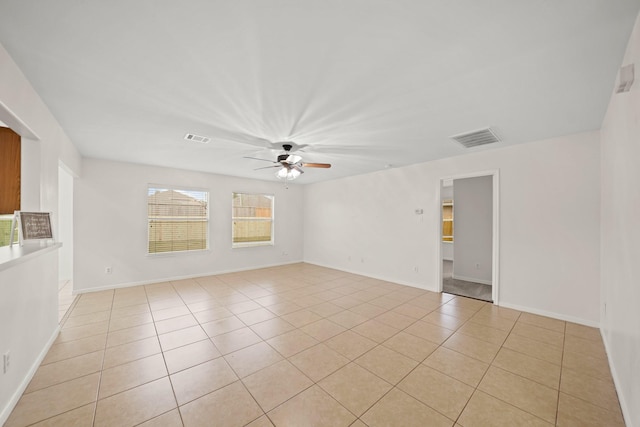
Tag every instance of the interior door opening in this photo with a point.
(468, 238)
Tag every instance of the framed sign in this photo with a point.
(32, 226)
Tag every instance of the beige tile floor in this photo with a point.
(65, 298)
(303, 345)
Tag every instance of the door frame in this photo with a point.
(495, 241)
(66, 253)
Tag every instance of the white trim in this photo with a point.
(67, 169)
(271, 242)
(169, 279)
(551, 314)
(13, 401)
(506, 305)
(251, 244)
(495, 270)
(383, 278)
(471, 279)
(626, 414)
(13, 122)
(469, 175)
(175, 253)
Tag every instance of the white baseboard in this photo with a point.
(526, 309)
(626, 414)
(551, 314)
(168, 279)
(6, 411)
(471, 279)
(500, 303)
(384, 278)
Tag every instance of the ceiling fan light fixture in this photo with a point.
(293, 158)
(288, 174)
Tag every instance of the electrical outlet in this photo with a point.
(108, 270)
(477, 266)
(6, 362)
(415, 268)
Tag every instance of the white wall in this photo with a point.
(549, 223)
(620, 249)
(28, 292)
(110, 226)
(28, 322)
(473, 203)
(65, 224)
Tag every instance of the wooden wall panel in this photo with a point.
(9, 171)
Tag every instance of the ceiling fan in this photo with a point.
(290, 164)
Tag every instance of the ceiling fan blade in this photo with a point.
(268, 167)
(317, 165)
(299, 169)
(256, 158)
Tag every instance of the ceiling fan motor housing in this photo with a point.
(283, 157)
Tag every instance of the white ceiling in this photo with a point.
(365, 83)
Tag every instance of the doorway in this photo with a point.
(468, 239)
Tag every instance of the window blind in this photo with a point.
(178, 219)
(252, 219)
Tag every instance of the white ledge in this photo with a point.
(16, 254)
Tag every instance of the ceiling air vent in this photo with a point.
(626, 79)
(476, 138)
(197, 138)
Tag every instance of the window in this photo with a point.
(447, 220)
(252, 218)
(5, 230)
(178, 219)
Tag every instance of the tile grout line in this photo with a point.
(185, 294)
(72, 379)
(508, 403)
(239, 379)
(395, 386)
(475, 389)
(166, 367)
(104, 353)
(564, 337)
(69, 380)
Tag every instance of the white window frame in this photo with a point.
(9, 218)
(206, 220)
(235, 245)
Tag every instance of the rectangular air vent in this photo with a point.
(197, 138)
(476, 138)
(626, 79)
